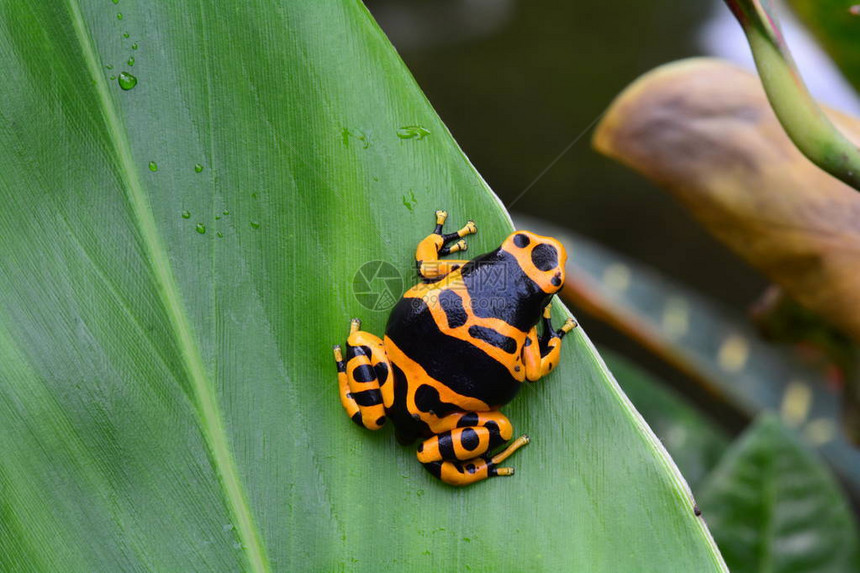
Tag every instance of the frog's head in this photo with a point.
(541, 258)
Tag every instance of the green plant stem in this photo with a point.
(801, 117)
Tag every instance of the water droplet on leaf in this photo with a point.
(412, 132)
(119, 16)
(198, 168)
(255, 224)
(201, 228)
(131, 61)
(127, 81)
(220, 235)
(186, 214)
(153, 166)
(134, 46)
(125, 35)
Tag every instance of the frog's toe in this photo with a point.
(460, 245)
(568, 325)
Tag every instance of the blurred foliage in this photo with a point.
(772, 507)
(704, 130)
(770, 503)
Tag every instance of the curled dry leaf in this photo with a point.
(703, 129)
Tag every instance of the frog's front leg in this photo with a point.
(540, 355)
(363, 378)
(457, 454)
(434, 246)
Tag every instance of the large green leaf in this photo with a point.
(774, 507)
(167, 392)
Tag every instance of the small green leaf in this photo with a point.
(772, 506)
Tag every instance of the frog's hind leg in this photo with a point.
(364, 378)
(459, 455)
(437, 245)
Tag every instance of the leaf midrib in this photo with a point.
(209, 414)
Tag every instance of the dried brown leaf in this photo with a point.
(703, 129)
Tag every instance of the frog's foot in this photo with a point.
(363, 376)
(436, 245)
(477, 469)
(549, 332)
(541, 354)
(458, 246)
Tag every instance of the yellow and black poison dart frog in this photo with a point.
(457, 347)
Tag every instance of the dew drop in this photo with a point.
(125, 35)
(115, 1)
(127, 81)
(112, 78)
(131, 61)
(255, 224)
(198, 168)
(217, 217)
(153, 166)
(226, 212)
(109, 66)
(412, 132)
(201, 228)
(134, 46)
(186, 214)
(119, 15)
(220, 235)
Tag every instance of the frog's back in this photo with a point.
(425, 333)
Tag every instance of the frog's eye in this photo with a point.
(544, 257)
(521, 240)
